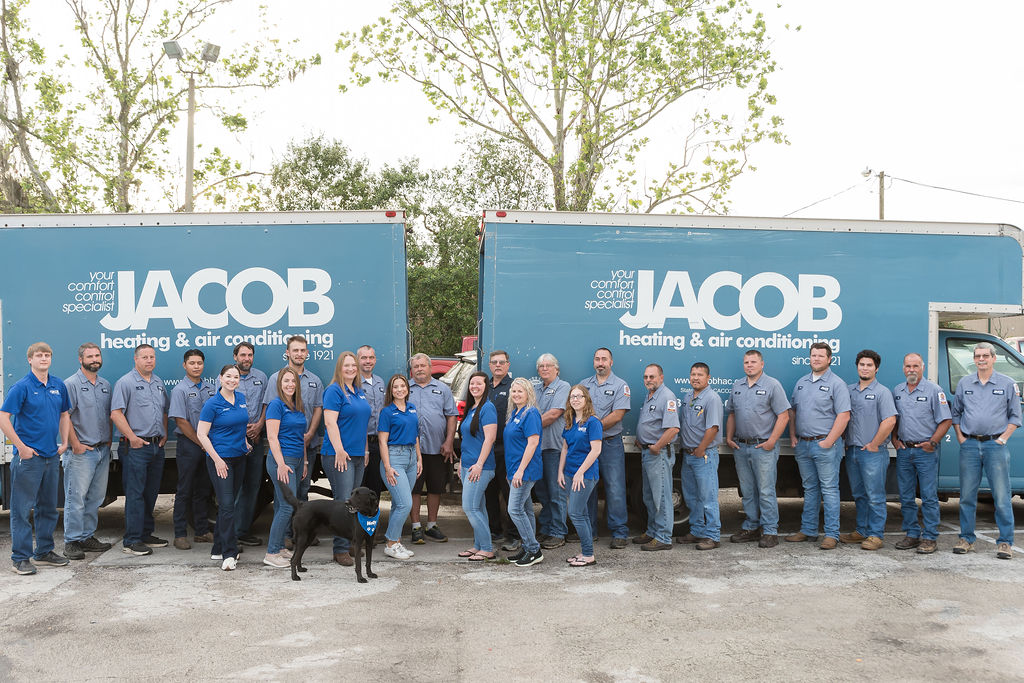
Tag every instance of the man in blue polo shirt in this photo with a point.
(138, 409)
(818, 418)
(924, 419)
(253, 383)
(872, 417)
(87, 460)
(986, 412)
(194, 486)
(610, 396)
(34, 414)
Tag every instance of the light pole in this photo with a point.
(867, 173)
(209, 55)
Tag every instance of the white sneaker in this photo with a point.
(218, 556)
(276, 560)
(229, 564)
(286, 554)
(405, 551)
(397, 551)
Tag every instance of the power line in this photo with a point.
(950, 189)
(825, 199)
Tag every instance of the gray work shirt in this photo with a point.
(187, 399)
(144, 403)
(817, 403)
(90, 408)
(435, 404)
(312, 391)
(612, 394)
(868, 407)
(920, 411)
(374, 389)
(659, 412)
(986, 409)
(698, 414)
(253, 386)
(756, 407)
(554, 395)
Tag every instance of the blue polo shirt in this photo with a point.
(697, 415)
(354, 413)
(523, 424)
(254, 386)
(35, 410)
(472, 445)
(292, 429)
(577, 441)
(817, 403)
(756, 407)
(401, 426)
(868, 407)
(920, 410)
(986, 409)
(227, 424)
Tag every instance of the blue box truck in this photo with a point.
(674, 290)
(178, 281)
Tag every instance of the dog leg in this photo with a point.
(369, 557)
(302, 540)
(357, 545)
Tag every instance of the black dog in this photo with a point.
(340, 518)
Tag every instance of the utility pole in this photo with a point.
(191, 149)
(881, 195)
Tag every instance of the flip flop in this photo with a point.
(572, 559)
(479, 557)
(467, 553)
(581, 563)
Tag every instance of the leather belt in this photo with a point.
(819, 437)
(751, 442)
(984, 437)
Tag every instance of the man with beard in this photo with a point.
(253, 383)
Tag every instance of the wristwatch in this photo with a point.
(935, 444)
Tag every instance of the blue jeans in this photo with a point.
(994, 459)
(866, 471)
(700, 489)
(612, 467)
(193, 489)
(225, 540)
(580, 515)
(403, 461)
(758, 470)
(819, 472)
(342, 484)
(476, 511)
(245, 503)
(282, 510)
(85, 486)
(520, 509)
(657, 474)
(552, 497)
(141, 470)
(915, 468)
(34, 484)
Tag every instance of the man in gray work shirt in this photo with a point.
(253, 383)
(552, 395)
(656, 430)
(437, 414)
(87, 460)
(986, 412)
(373, 387)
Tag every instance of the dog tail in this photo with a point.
(288, 495)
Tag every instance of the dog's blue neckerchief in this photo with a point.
(369, 524)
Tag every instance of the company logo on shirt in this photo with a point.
(670, 406)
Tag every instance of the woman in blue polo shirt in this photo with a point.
(346, 417)
(286, 426)
(221, 433)
(580, 451)
(479, 429)
(400, 459)
(523, 466)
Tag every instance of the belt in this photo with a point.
(984, 437)
(750, 442)
(93, 446)
(616, 436)
(914, 444)
(371, 437)
(686, 451)
(147, 438)
(819, 437)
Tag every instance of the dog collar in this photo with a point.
(369, 524)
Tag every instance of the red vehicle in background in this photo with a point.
(440, 365)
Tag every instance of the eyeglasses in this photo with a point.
(499, 362)
(577, 397)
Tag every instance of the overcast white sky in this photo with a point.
(927, 91)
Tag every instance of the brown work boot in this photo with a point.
(768, 541)
(745, 536)
(871, 543)
(927, 547)
(344, 559)
(655, 544)
(203, 538)
(829, 543)
(962, 547)
(800, 537)
(688, 538)
(1004, 551)
(908, 542)
(852, 537)
(641, 539)
(707, 544)
(181, 543)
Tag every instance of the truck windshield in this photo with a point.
(961, 362)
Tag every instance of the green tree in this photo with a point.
(577, 83)
(107, 135)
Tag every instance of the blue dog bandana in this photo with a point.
(369, 524)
